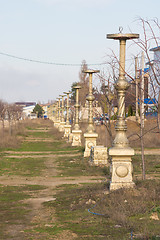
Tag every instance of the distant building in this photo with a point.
(45, 109)
(28, 112)
(154, 67)
(25, 104)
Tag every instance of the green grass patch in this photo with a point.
(22, 166)
(51, 230)
(39, 134)
(12, 210)
(79, 166)
(46, 146)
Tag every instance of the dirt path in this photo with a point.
(48, 181)
(39, 130)
(40, 140)
(38, 152)
(39, 215)
(42, 156)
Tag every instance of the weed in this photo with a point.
(123, 210)
(51, 230)
(79, 166)
(23, 166)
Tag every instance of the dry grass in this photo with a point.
(151, 137)
(151, 134)
(55, 132)
(123, 211)
(19, 131)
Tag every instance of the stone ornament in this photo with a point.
(90, 135)
(67, 127)
(100, 156)
(121, 167)
(76, 132)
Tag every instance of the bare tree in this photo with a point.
(151, 31)
(144, 43)
(105, 98)
(2, 115)
(84, 83)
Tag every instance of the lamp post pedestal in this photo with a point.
(99, 156)
(90, 141)
(76, 137)
(67, 130)
(61, 126)
(56, 121)
(121, 168)
(67, 127)
(90, 135)
(121, 153)
(76, 132)
(62, 123)
(70, 137)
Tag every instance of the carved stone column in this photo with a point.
(90, 136)
(51, 112)
(67, 127)
(76, 132)
(121, 167)
(58, 113)
(62, 122)
(56, 122)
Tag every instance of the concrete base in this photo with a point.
(90, 141)
(61, 126)
(67, 130)
(114, 186)
(121, 168)
(100, 156)
(52, 118)
(70, 137)
(56, 124)
(76, 137)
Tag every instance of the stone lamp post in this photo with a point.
(56, 115)
(76, 132)
(90, 136)
(51, 108)
(62, 122)
(121, 167)
(51, 115)
(67, 127)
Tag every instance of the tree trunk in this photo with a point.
(142, 154)
(3, 128)
(142, 140)
(158, 117)
(10, 128)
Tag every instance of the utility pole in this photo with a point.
(142, 116)
(136, 80)
(142, 90)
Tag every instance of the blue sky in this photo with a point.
(60, 31)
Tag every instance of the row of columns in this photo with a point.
(120, 152)
(75, 136)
